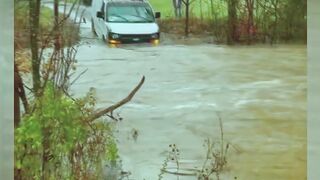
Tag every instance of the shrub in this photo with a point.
(57, 142)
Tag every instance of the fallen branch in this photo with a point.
(100, 113)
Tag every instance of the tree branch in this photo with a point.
(78, 76)
(100, 113)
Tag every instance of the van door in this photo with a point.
(101, 21)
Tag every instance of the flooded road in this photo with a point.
(259, 92)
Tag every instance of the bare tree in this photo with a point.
(232, 21)
(56, 25)
(250, 21)
(275, 4)
(187, 4)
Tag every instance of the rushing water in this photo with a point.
(259, 92)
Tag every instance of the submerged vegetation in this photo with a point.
(213, 166)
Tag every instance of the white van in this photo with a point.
(125, 21)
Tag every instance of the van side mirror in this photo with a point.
(100, 15)
(157, 15)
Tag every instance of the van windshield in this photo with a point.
(129, 12)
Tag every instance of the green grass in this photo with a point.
(166, 8)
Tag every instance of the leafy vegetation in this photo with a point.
(56, 138)
(77, 147)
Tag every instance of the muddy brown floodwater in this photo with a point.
(259, 91)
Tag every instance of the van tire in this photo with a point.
(92, 28)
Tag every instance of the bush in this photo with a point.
(57, 142)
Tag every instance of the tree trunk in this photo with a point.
(275, 25)
(17, 117)
(186, 30)
(250, 25)
(201, 11)
(211, 8)
(34, 6)
(45, 152)
(46, 132)
(57, 43)
(19, 93)
(187, 4)
(232, 21)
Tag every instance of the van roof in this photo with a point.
(127, 0)
(137, 2)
